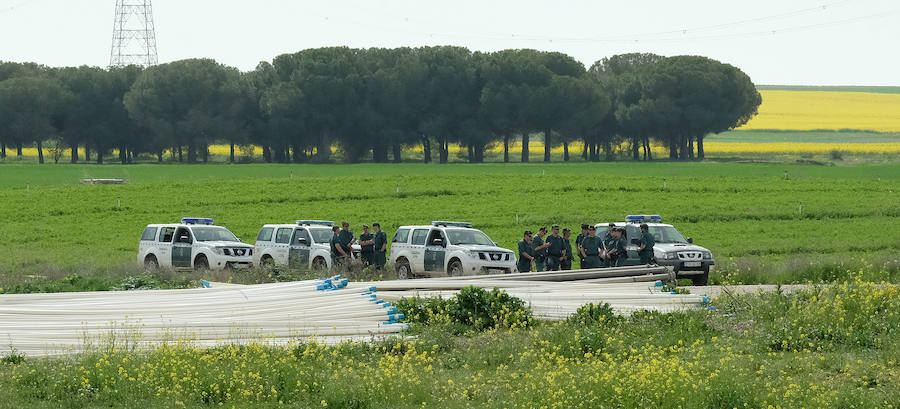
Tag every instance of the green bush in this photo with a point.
(475, 308)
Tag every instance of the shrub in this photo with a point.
(473, 307)
(836, 155)
(593, 314)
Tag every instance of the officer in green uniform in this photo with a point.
(526, 253)
(619, 251)
(540, 250)
(556, 250)
(367, 246)
(567, 261)
(337, 252)
(645, 252)
(578, 239)
(608, 243)
(590, 249)
(346, 239)
(380, 244)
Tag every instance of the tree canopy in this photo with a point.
(371, 104)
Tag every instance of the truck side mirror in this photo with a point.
(239, 240)
(690, 240)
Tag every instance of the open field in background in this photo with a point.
(832, 110)
(765, 223)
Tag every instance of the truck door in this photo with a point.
(417, 250)
(282, 245)
(632, 232)
(181, 249)
(299, 252)
(166, 236)
(435, 251)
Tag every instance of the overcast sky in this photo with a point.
(803, 42)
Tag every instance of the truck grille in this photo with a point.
(690, 255)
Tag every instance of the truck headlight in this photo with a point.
(472, 253)
(707, 255)
(671, 256)
(219, 250)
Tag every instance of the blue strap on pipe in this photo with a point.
(658, 283)
(204, 284)
(372, 288)
(385, 304)
(392, 310)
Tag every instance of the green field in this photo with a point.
(763, 222)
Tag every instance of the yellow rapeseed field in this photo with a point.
(808, 110)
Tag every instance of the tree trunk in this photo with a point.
(192, 152)
(525, 153)
(471, 153)
(608, 151)
(296, 154)
(323, 150)
(700, 153)
(19, 149)
(123, 154)
(87, 153)
(398, 153)
(565, 151)
(673, 150)
(2, 148)
(159, 156)
(444, 150)
(231, 158)
(635, 150)
(592, 148)
(267, 154)
(649, 149)
(180, 154)
(547, 143)
(426, 149)
(584, 150)
(73, 152)
(505, 148)
(205, 152)
(691, 147)
(40, 149)
(479, 153)
(130, 156)
(100, 156)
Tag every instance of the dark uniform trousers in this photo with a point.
(553, 262)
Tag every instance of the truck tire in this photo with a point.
(151, 264)
(319, 264)
(201, 263)
(702, 279)
(404, 272)
(455, 268)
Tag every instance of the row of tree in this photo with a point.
(372, 103)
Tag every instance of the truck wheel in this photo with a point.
(404, 272)
(151, 264)
(201, 264)
(267, 262)
(319, 264)
(701, 280)
(455, 268)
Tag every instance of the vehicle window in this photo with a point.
(460, 236)
(418, 237)
(265, 234)
(284, 235)
(667, 234)
(149, 234)
(402, 236)
(321, 235)
(298, 234)
(213, 234)
(166, 234)
(183, 235)
(632, 232)
(436, 234)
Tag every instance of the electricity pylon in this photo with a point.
(134, 35)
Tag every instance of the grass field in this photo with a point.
(764, 223)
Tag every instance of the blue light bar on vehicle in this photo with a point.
(315, 222)
(451, 224)
(196, 220)
(638, 218)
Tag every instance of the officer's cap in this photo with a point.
(584, 227)
(592, 228)
(528, 232)
(376, 224)
(555, 226)
(645, 226)
(365, 226)
(612, 225)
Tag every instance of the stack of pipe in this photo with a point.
(325, 310)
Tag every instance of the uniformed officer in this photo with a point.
(567, 261)
(526, 252)
(367, 246)
(540, 250)
(618, 252)
(578, 239)
(607, 242)
(380, 244)
(590, 249)
(556, 250)
(337, 252)
(645, 252)
(346, 238)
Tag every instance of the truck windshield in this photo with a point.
(666, 234)
(468, 237)
(321, 235)
(213, 234)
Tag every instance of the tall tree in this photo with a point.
(30, 108)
